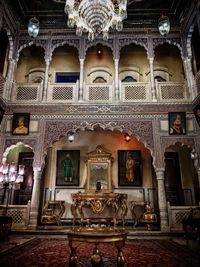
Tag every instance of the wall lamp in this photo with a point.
(127, 138)
(70, 137)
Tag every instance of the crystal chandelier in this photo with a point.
(95, 16)
(10, 175)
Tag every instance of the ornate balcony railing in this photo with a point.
(99, 92)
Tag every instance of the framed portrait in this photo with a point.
(129, 168)
(1, 114)
(67, 167)
(20, 125)
(177, 123)
(196, 111)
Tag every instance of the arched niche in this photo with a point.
(181, 180)
(99, 64)
(87, 140)
(21, 154)
(64, 63)
(31, 65)
(4, 52)
(133, 62)
(168, 57)
(195, 40)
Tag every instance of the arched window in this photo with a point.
(99, 79)
(129, 79)
(159, 79)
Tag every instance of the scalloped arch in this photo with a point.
(84, 126)
(96, 42)
(8, 149)
(133, 41)
(171, 42)
(62, 44)
(28, 44)
(10, 39)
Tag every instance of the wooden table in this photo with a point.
(96, 236)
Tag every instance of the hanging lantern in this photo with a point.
(164, 25)
(33, 27)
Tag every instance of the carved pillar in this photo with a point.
(9, 79)
(80, 96)
(190, 78)
(116, 79)
(162, 200)
(46, 77)
(35, 199)
(153, 91)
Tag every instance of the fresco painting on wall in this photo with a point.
(196, 111)
(177, 123)
(1, 114)
(68, 165)
(129, 168)
(20, 124)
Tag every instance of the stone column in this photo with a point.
(46, 77)
(9, 79)
(80, 96)
(190, 77)
(116, 79)
(162, 200)
(153, 90)
(35, 199)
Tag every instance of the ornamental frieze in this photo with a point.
(142, 130)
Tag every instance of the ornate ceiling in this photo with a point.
(141, 13)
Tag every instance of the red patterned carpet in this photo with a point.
(54, 252)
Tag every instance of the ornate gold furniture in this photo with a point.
(98, 203)
(137, 211)
(96, 236)
(98, 196)
(52, 212)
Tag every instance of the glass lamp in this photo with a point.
(164, 25)
(33, 27)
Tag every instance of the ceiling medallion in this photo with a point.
(96, 16)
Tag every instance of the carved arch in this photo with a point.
(175, 42)
(9, 148)
(27, 44)
(61, 43)
(10, 40)
(138, 41)
(189, 41)
(141, 130)
(96, 42)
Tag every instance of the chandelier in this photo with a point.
(95, 16)
(10, 175)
